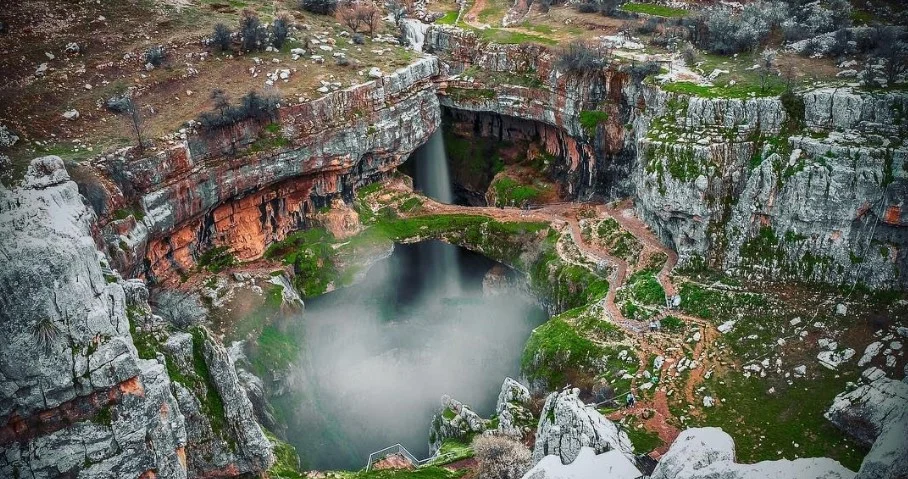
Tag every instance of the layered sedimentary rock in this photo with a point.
(812, 188)
(566, 425)
(876, 414)
(247, 185)
(76, 397)
(523, 96)
(709, 452)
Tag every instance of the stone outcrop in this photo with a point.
(511, 408)
(455, 421)
(708, 453)
(566, 425)
(810, 188)
(78, 397)
(765, 190)
(876, 414)
(587, 465)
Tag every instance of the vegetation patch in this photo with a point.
(654, 9)
(591, 119)
(287, 461)
(217, 259)
(644, 441)
(555, 350)
(312, 257)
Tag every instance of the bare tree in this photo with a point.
(370, 15)
(398, 11)
(347, 15)
(767, 64)
(134, 114)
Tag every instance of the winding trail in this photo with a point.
(652, 406)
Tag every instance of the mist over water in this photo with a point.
(378, 356)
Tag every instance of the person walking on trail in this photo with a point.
(631, 400)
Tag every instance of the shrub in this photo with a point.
(649, 26)
(279, 30)
(342, 61)
(639, 71)
(689, 55)
(358, 39)
(252, 34)
(252, 106)
(319, 7)
(222, 37)
(501, 457)
(587, 7)
(581, 59)
(155, 55)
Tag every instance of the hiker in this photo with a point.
(652, 326)
(631, 400)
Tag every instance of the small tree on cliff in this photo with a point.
(132, 112)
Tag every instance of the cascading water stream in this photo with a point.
(434, 179)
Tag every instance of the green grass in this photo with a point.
(217, 259)
(644, 441)
(645, 288)
(286, 464)
(706, 303)
(509, 192)
(554, 349)
(452, 450)
(738, 90)
(426, 472)
(794, 414)
(211, 403)
(312, 257)
(448, 19)
(672, 324)
(652, 9)
(274, 349)
(590, 119)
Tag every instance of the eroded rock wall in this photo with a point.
(250, 184)
(768, 189)
(76, 397)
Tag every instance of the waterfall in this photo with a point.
(434, 179)
(432, 174)
(415, 32)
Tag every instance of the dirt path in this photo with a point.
(648, 345)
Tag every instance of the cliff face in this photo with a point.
(516, 92)
(77, 396)
(809, 191)
(248, 185)
(812, 188)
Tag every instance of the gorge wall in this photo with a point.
(812, 190)
(807, 189)
(81, 397)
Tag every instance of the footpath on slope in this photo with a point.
(649, 345)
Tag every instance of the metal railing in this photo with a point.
(399, 449)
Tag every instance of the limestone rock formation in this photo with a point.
(708, 453)
(587, 465)
(77, 397)
(695, 449)
(455, 421)
(511, 408)
(74, 395)
(200, 193)
(876, 414)
(567, 425)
